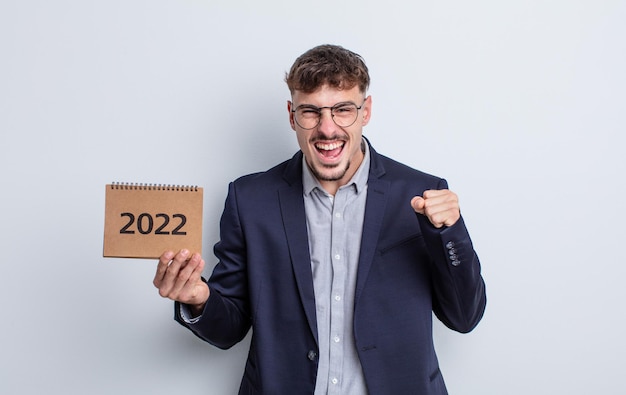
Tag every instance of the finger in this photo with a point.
(443, 213)
(418, 204)
(196, 274)
(196, 291)
(171, 273)
(440, 200)
(164, 261)
(432, 193)
(187, 277)
(436, 218)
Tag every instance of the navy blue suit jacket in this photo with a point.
(407, 269)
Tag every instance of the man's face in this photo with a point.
(332, 152)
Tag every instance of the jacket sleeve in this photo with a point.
(459, 297)
(226, 317)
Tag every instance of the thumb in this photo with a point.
(418, 204)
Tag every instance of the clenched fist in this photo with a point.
(440, 206)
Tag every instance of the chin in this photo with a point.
(328, 174)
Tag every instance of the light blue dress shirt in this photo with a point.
(334, 225)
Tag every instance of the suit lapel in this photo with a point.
(372, 223)
(377, 196)
(294, 222)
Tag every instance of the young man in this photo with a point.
(336, 258)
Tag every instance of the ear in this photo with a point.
(291, 120)
(367, 110)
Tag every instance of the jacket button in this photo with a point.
(311, 355)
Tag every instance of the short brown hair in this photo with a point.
(328, 65)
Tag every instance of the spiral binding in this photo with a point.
(153, 187)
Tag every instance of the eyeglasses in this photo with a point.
(344, 114)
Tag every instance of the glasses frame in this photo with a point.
(332, 115)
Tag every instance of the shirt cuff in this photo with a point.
(185, 314)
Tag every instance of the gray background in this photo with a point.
(519, 104)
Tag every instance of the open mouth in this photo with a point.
(329, 150)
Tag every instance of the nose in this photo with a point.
(327, 124)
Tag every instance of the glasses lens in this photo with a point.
(308, 117)
(344, 115)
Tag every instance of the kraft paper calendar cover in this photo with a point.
(144, 220)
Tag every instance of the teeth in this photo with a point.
(328, 146)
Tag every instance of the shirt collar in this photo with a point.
(359, 179)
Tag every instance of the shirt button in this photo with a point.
(337, 257)
(334, 380)
(338, 215)
(336, 339)
(337, 298)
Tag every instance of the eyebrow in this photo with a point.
(334, 105)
